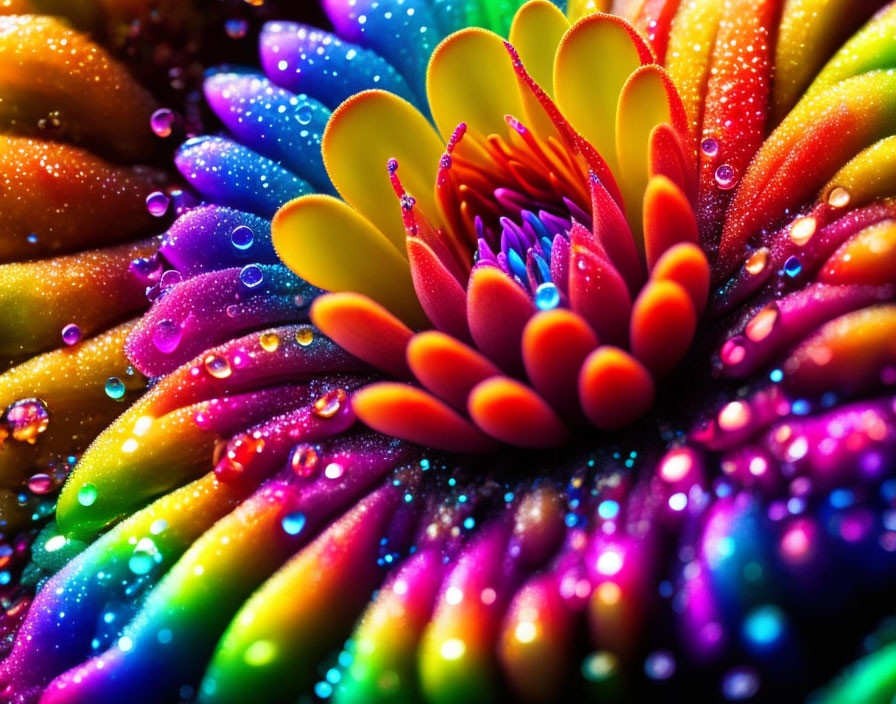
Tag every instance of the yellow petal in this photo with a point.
(643, 105)
(333, 247)
(866, 177)
(535, 33)
(691, 42)
(577, 9)
(471, 79)
(594, 60)
(365, 132)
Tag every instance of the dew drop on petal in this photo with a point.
(166, 336)
(710, 146)
(115, 387)
(87, 495)
(71, 334)
(161, 122)
(217, 366)
(24, 420)
(242, 237)
(547, 296)
(802, 230)
(157, 203)
(269, 341)
(293, 523)
(330, 403)
(756, 262)
(40, 483)
(251, 275)
(839, 197)
(305, 335)
(792, 267)
(304, 460)
(304, 114)
(762, 324)
(144, 557)
(726, 177)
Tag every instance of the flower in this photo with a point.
(597, 485)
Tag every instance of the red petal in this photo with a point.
(612, 231)
(671, 157)
(497, 311)
(512, 412)
(555, 343)
(365, 329)
(614, 388)
(447, 367)
(598, 293)
(410, 413)
(441, 296)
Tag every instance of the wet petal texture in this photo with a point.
(470, 351)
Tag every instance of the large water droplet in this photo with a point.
(40, 483)
(144, 557)
(242, 237)
(547, 296)
(294, 522)
(726, 177)
(710, 146)
(26, 419)
(304, 460)
(157, 203)
(115, 387)
(87, 495)
(217, 366)
(251, 275)
(802, 230)
(161, 122)
(330, 403)
(166, 336)
(71, 334)
(305, 335)
(269, 341)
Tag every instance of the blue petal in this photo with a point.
(273, 122)
(308, 60)
(230, 174)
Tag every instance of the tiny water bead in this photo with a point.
(305, 335)
(293, 523)
(304, 114)
(547, 296)
(157, 203)
(242, 237)
(236, 28)
(304, 460)
(251, 275)
(217, 366)
(87, 495)
(756, 262)
(792, 267)
(115, 388)
(839, 197)
(166, 336)
(726, 177)
(144, 557)
(710, 146)
(24, 420)
(71, 334)
(161, 122)
(802, 230)
(41, 483)
(330, 403)
(269, 341)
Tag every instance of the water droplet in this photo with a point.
(734, 416)
(839, 197)
(408, 202)
(87, 495)
(304, 460)
(330, 403)
(269, 341)
(236, 28)
(726, 177)
(802, 230)
(733, 352)
(710, 146)
(294, 522)
(26, 419)
(157, 203)
(115, 387)
(71, 334)
(144, 557)
(147, 269)
(40, 483)
(792, 267)
(305, 335)
(217, 366)
(334, 470)
(762, 324)
(304, 114)
(251, 275)
(755, 264)
(170, 278)
(547, 296)
(240, 451)
(161, 122)
(242, 237)
(166, 336)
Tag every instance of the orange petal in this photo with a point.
(513, 413)
(497, 311)
(365, 329)
(668, 219)
(662, 326)
(614, 388)
(555, 343)
(412, 414)
(686, 265)
(447, 367)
